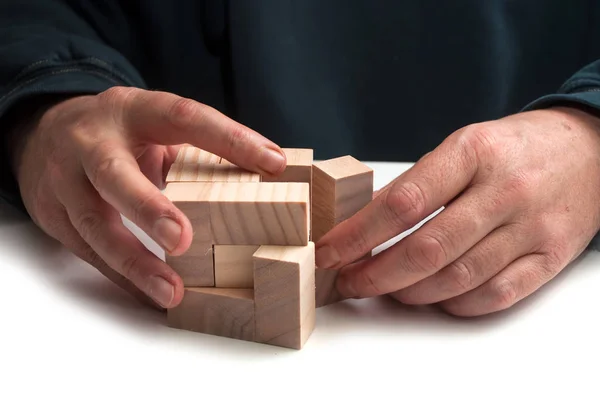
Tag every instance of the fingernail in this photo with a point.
(346, 288)
(271, 161)
(161, 291)
(167, 232)
(326, 257)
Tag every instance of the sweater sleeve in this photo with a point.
(46, 49)
(582, 89)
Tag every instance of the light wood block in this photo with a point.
(233, 266)
(341, 187)
(298, 169)
(194, 164)
(219, 312)
(194, 270)
(228, 172)
(284, 294)
(196, 266)
(247, 213)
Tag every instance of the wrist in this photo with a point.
(22, 121)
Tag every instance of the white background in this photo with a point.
(66, 331)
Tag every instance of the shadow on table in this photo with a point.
(81, 283)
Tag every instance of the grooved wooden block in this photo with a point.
(248, 213)
(195, 267)
(220, 312)
(284, 294)
(233, 266)
(341, 187)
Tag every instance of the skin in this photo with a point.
(521, 201)
(86, 160)
(520, 198)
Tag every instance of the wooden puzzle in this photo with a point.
(250, 271)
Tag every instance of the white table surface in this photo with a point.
(68, 331)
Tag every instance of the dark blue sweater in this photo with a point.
(380, 80)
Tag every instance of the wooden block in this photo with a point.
(196, 266)
(284, 294)
(298, 169)
(219, 312)
(226, 171)
(194, 270)
(194, 164)
(341, 187)
(233, 266)
(299, 166)
(247, 213)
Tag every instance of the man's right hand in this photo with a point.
(88, 159)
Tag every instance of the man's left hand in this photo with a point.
(521, 198)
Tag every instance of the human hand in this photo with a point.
(89, 159)
(521, 198)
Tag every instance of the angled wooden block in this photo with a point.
(219, 312)
(341, 187)
(233, 266)
(196, 266)
(284, 294)
(247, 213)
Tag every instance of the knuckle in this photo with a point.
(236, 138)
(117, 94)
(356, 241)
(556, 253)
(370, 283)
(425, 254)
(129, 267)
(460, 276)
(183, 112)
(503, 294)
(521, 187)
(106, 170)
(482, 141)
(404, 205)
(89, 225)
(143, 207)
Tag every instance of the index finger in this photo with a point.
(431, 183)
(168, 119)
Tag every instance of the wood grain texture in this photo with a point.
(299, 169)
(194, 270)
(284, 294)
(233, 266)
(194, 164)
(196, 266)
(341, 187)
(219, 312)
(248, 213)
